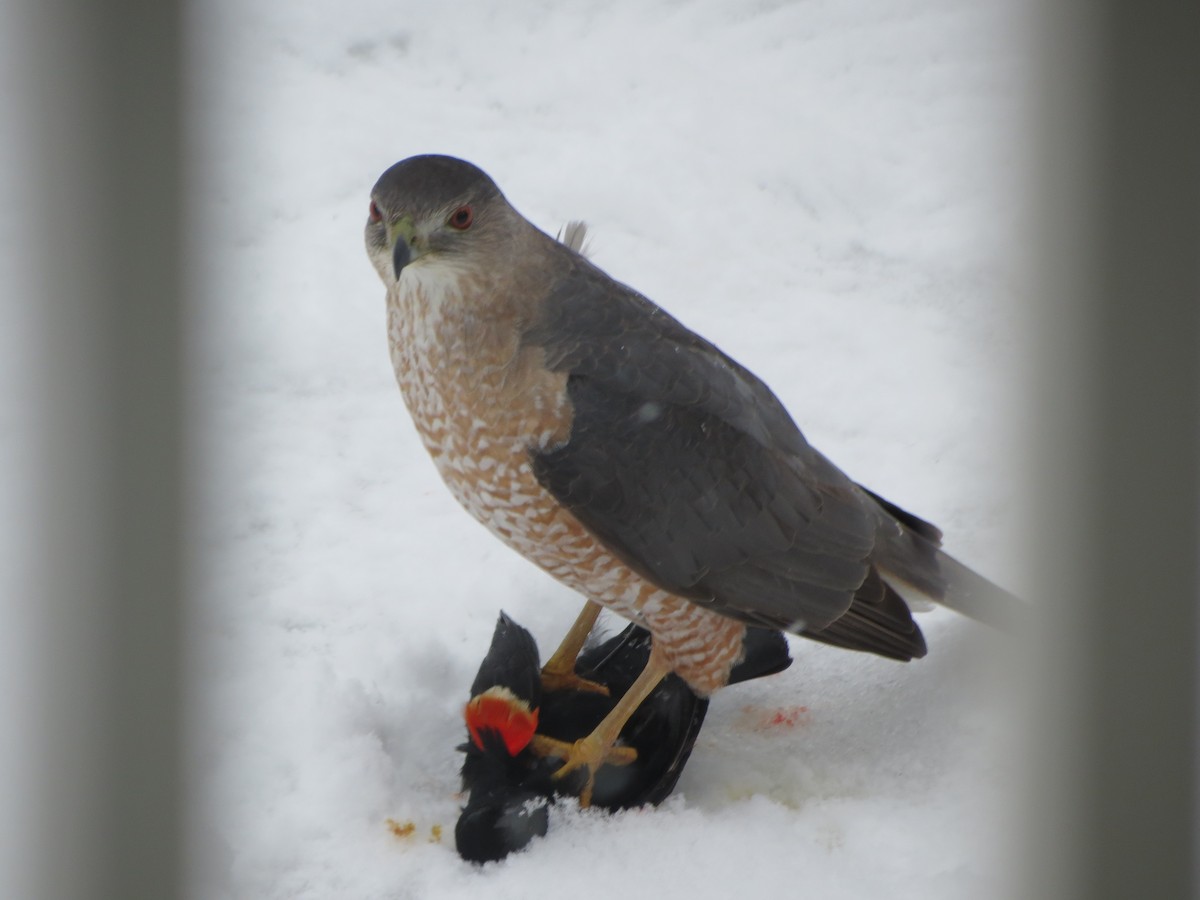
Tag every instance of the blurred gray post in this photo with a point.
(104, 225)
(1116, 459)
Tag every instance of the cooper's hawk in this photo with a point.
(627, 456)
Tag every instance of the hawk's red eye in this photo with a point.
(462, 218)
(373, 213)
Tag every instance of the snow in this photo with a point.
(827, 191)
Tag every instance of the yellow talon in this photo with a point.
(569, 681)
(588, 753)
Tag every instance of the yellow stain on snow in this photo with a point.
(405, 830)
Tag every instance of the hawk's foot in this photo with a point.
(554, 679)
(589, 753)
(559, 672)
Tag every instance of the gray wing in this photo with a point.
(688, 467)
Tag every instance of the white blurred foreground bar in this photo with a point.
(102, 123)
(1112, 747)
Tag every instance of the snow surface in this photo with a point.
(826, 190)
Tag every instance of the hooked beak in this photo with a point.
(401, 256)
(400, 235)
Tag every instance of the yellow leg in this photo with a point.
(597, 749)
(559, 672)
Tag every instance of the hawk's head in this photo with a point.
(434, 209)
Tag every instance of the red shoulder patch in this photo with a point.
(499, 709)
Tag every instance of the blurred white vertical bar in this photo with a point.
(1116, 459)
(16, 710)
(100, 223)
